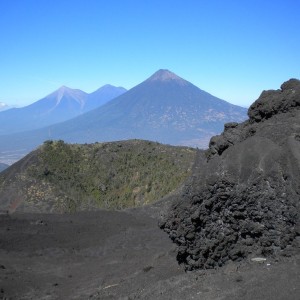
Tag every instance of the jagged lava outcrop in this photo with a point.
(243, 198)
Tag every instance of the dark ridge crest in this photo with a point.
(273, 102)
(269, 104)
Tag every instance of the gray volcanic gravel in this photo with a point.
(122, 255)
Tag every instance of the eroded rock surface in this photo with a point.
(244, 199)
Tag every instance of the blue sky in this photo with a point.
(232, 49)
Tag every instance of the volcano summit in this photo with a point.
(164, 108)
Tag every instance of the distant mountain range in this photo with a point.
(164, 108)
(59, 106)
(3, 167)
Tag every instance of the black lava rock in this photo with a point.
(243, 198)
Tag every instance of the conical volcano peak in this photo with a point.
(62, 91)
(65, 92)
(64, 88)
(166, 75)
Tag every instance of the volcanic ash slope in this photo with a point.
(245, 200)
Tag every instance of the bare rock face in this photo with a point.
(275, 102)
(243, 198)
(269, 103)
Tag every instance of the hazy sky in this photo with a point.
(232, 49)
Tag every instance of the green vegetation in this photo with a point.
(71, 177)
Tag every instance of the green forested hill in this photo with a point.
(60, 177)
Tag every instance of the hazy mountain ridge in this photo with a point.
(164, 108)
(3, 167)
(61, 105)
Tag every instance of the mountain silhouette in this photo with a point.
(164, 108)
(3, 167)
(61, 105)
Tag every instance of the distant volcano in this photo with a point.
(166, 75)
(61, 105)
(164, 108)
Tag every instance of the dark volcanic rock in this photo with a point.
(244, 200)
(269, 103)
(273, 102)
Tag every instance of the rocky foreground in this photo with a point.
(244, 200)
(122, 255)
